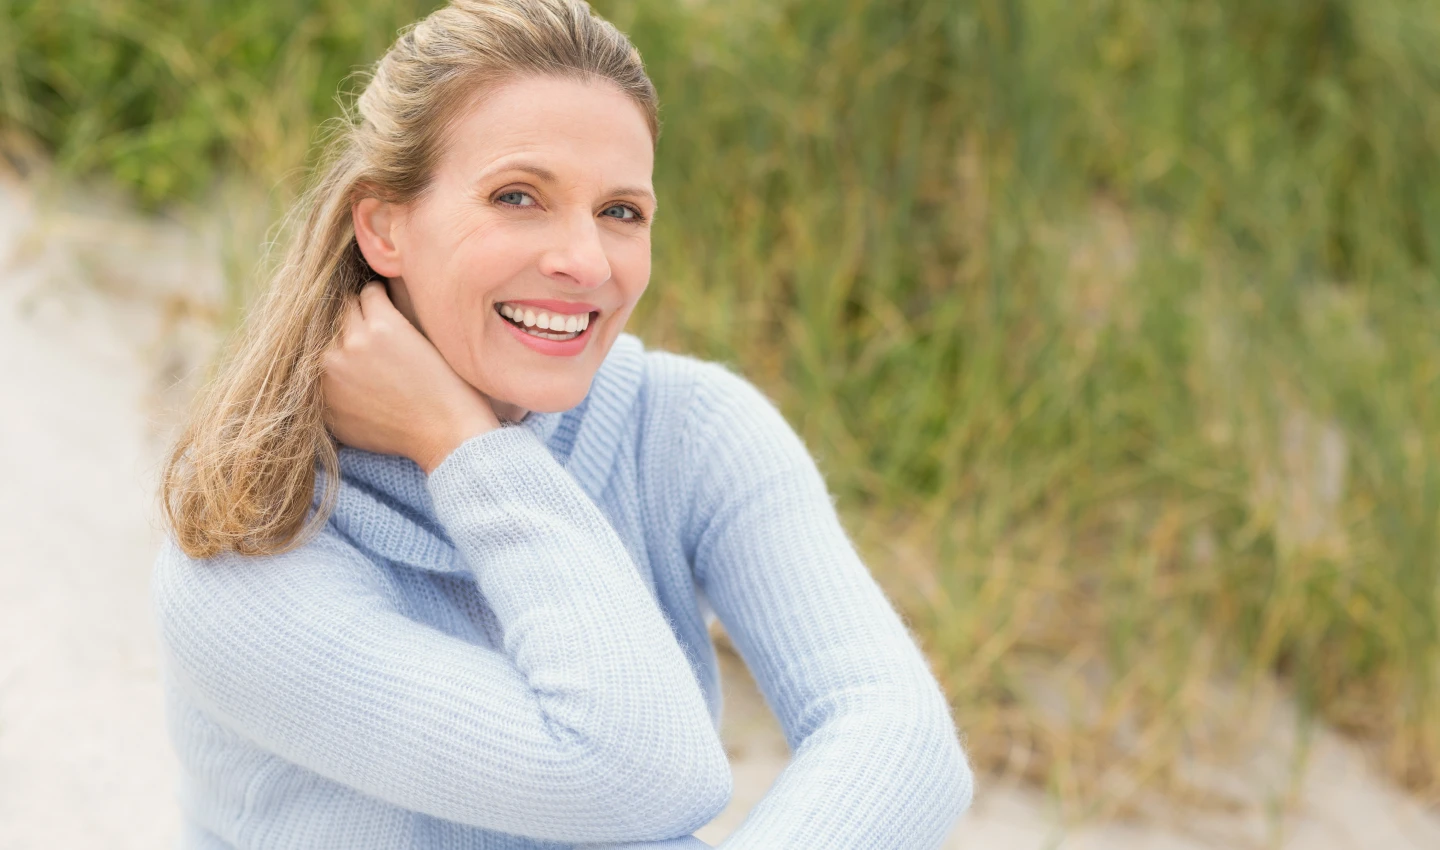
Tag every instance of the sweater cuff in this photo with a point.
(495, 463)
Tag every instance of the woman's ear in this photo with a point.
(376, 225)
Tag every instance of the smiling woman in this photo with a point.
(531, 213)
(446, 542)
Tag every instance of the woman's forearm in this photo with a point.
(580, 625)
(877, 758)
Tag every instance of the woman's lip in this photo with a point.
(564, 308)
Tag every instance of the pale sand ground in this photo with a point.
(91, 329)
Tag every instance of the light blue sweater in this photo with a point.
(513, 652)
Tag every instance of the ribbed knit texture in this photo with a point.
(513, 652)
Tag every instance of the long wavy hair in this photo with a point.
(241, 476)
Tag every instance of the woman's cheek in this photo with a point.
(630, 265)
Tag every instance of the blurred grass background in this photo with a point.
(1112, 323)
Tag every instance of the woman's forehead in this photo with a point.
(559, 129)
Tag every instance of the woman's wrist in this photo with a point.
(431, 452)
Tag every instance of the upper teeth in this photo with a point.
(546, 321)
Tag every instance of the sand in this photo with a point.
(83, 758)
(100, 312)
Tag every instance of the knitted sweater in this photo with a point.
(513, 651)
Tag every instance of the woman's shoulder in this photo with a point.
(315, 548)
(186, 589)
(719, 413)
(697, 388)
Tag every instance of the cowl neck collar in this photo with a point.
(384, 505)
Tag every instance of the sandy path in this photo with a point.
(83, 758)
(84, 761)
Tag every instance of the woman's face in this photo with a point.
(539, 209)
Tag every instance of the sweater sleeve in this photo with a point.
(586, 726)
(876, 758)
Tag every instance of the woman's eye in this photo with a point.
(516, 199)
(622, 212)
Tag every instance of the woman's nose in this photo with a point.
(578, 254)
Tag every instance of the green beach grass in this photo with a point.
(1113, 324)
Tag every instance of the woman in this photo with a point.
(483, 622)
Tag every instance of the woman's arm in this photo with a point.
(589, 726)
(876, 758)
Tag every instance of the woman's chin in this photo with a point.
(546, 400)
(516, 387)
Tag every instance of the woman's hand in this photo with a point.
(388, 390)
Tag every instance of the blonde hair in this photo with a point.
(241, 477)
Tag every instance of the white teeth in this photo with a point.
(546, 325)
(549, 335)
(556, 335)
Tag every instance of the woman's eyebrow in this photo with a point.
(634, 192)
(544, 174)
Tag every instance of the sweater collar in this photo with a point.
(383, 505)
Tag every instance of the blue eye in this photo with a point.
(516, 199)
(625, 213)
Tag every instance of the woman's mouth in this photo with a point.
(543, 324)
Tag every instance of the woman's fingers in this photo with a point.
(374, 299)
